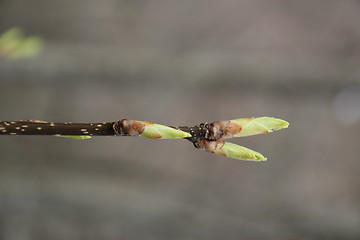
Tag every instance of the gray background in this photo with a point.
(182, 63)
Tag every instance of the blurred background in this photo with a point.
(183, 63)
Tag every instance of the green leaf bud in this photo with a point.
(157, 131)
(231, 150)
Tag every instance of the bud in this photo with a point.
(157, 131)
(230, 150)
(242, 127)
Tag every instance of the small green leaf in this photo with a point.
(261, 125)
(158, 131)
(10, 40)
(29, 47)
(83, 137)
(13, 44)
(10, 36)
(231, 150)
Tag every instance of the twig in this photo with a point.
(207, 136)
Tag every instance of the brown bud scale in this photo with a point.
(129, 127)
(210, 146)
(223, 129)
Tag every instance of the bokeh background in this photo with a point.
(183, 63)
